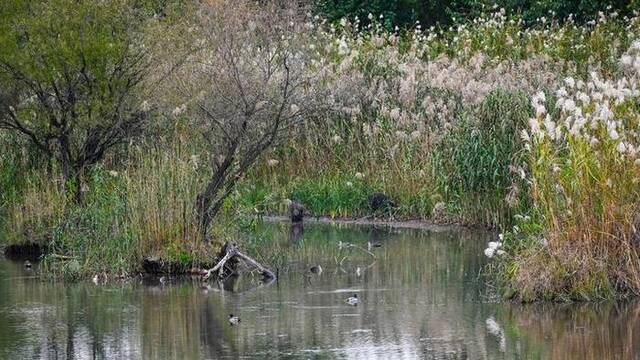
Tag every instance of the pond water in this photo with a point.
(422, 297)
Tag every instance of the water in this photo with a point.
(422, 297)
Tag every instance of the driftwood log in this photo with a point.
(232, 253)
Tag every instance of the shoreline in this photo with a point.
(156, 267)
(416, 224)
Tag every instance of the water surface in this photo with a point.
(422, 297)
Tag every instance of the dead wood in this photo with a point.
(231, 253)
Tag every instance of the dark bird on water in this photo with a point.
(314, 270)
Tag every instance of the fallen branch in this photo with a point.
(232, 251)
(220, 266)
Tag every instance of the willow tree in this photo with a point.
(70, 70)
(251, 83)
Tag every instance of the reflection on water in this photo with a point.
(421, 297)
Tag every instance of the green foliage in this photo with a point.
(340, 194)
(335, 196)
(394, 12)
(47, 39)
(429, 12)
(430, 145)
(581, 10)
(71, 69)
(10, 172)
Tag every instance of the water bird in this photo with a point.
(371, 245)
(314, 270)
(233, 320)
(353, 300)
(27, 264)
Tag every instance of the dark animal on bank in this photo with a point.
(296, 212)
(380, 202)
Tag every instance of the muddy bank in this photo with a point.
(157, 266)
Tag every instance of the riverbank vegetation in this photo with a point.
(171, 126)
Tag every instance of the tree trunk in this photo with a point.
(203, 211)
(69, 173)
(79, 196)
(204, 220)
(66, 172)
(209, 203)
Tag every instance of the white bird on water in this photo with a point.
(353, 300)
(234, 320)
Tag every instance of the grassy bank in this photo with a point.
(525, 127)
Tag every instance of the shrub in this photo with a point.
(69, 72)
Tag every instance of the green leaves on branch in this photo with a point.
(69, 72)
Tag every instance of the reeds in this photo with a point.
(583, 174)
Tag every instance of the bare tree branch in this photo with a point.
(249, 87)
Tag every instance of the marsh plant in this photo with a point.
(583, 168)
